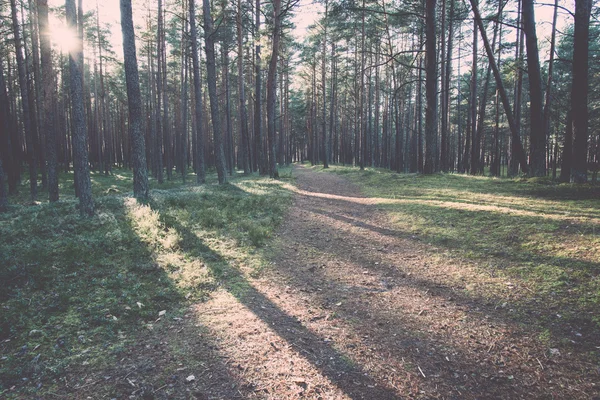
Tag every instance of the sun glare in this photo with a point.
(61, 35)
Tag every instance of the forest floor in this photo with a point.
(374, 286)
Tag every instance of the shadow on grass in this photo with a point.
(351, 379)
(538, 311)
(76, 296)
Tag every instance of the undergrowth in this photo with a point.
(77, 291)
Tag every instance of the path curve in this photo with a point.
(354, 309)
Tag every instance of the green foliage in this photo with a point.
(76, 291)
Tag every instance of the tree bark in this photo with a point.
(48, 94)
(520, 154)
(134, 101)
(579, 90)
(199, 133)
(27, 115)
(245, 145)
(80, 149)
(272, 86)
(430, 88)
(209, 39)
(537, 135)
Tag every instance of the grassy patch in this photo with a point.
(77, 292)
(534, 231)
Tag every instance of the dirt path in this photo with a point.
(352, 309)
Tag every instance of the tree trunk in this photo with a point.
(272, 86)
(48, 94)
(80, 149)
(537, 141)
(258, 128)
(199, 131)
(134, 101)
(27, 115)
(243, 117)
(430, 88)
(519, 153)
(209, 39)
(579, 90)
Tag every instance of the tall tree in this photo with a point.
(518, 147)
(80, 148)
(243, 115)
(211, 76)
(25, 103)
(134, 102)
(579, 94)
(258, 128)
(199, 131)
(48, 95)
(430, 87)
(537, 136)
(272, 86)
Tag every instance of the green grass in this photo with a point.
(544, 234)
(77, 291)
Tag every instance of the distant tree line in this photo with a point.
(413, 86)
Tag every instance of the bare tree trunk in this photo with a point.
(430, 88)
(579, 94)
(519, 153)
(80, 150)
(134, 101)
(323, 87)
(160, 88)
(537, 141)
(258, 129)
(242, 94)
(272, 86)
(199, 132)
(48, 93)
(209, 39)
(29, 133)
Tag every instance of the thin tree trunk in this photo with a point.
(29, 133)
(48, 94)
(80, 150)
(272, 86)
(520, 154)
(258, 131)
(242, 95)
(199, 132)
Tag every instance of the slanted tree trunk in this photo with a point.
(537, 135)
(519, 153)
(209, 39)
(579, 94)
(272, 86)
(199, 131)
(78, 122)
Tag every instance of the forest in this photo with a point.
(349, 199)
